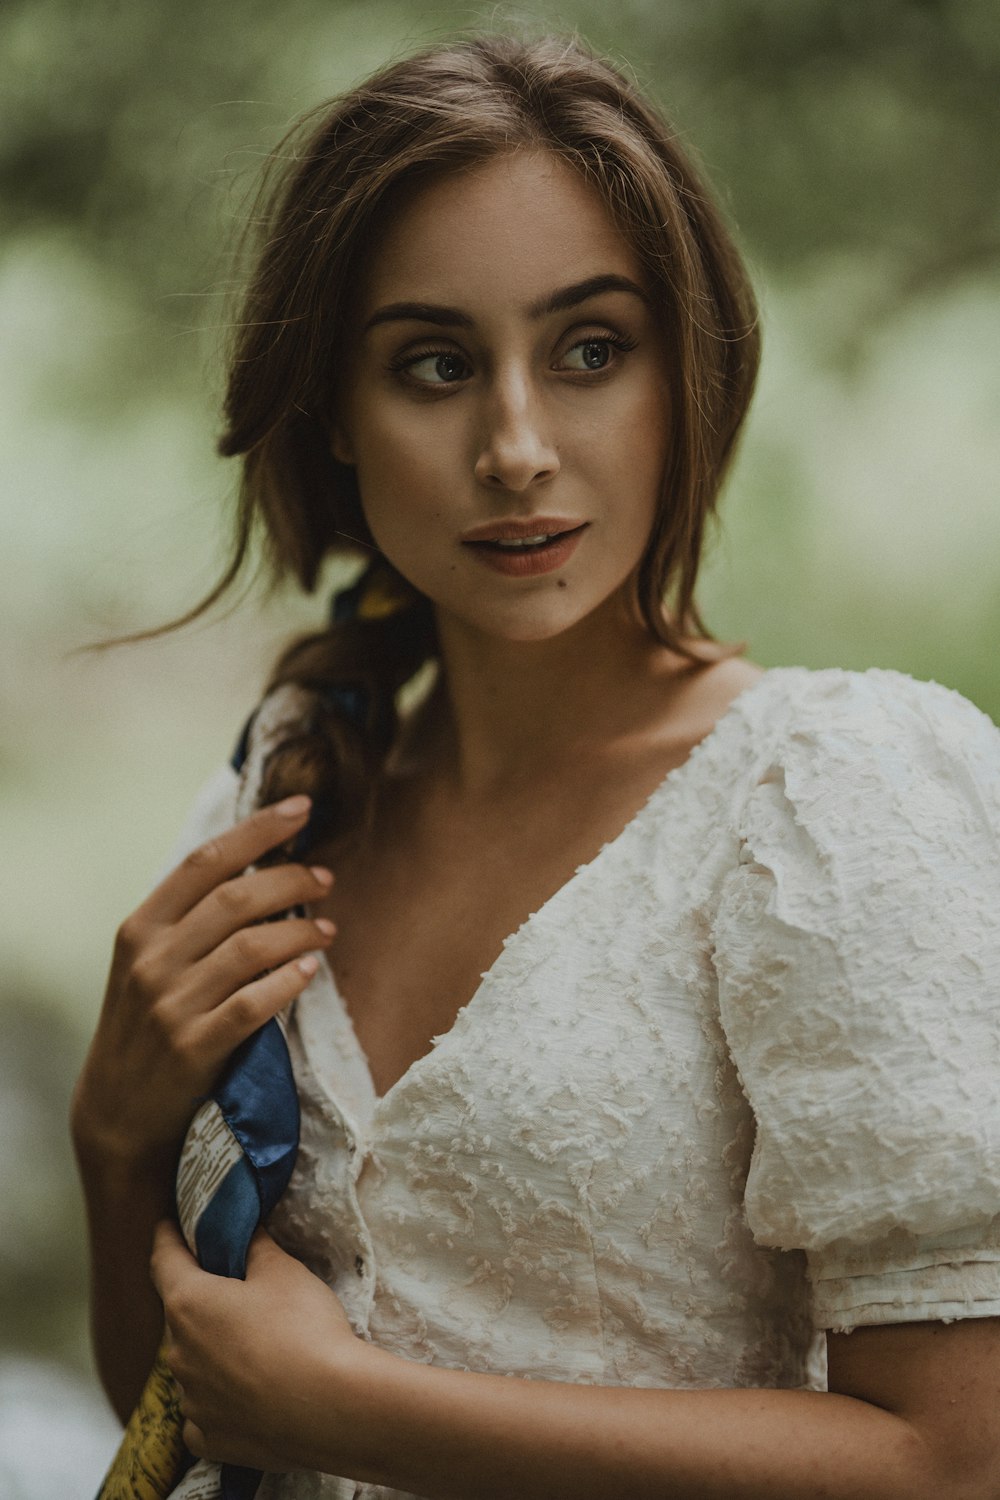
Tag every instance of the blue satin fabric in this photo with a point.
(258, 1100)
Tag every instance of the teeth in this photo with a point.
(523, 541)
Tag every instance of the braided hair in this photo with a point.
(381, 633)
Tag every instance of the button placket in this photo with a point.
(353, 1224)
(363, 1256)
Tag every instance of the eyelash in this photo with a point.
(402, 363)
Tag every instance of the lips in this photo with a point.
(528, 558)
(519, 530)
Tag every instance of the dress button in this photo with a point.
(359, 1265)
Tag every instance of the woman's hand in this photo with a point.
(195, 970)
(259, 1362)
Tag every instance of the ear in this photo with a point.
(340, 444)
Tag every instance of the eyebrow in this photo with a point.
(558, 301)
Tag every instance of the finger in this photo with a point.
(171, 1259)
(247, 956)
(193, 1439)
(244, 901)
(223, 857)
(170, 1350)
(249, 1008)
(262, 1252)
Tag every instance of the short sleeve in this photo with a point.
(857, 946)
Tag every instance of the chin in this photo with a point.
(527, 621)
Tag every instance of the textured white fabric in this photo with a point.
(736, 1082)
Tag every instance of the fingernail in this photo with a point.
(293, 807)
(324, 877)
(308, 965)
(325, 926)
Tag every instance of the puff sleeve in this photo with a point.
(857, 946)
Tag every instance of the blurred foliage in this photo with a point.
(41, 1277)
(842, 126)
(837, 126)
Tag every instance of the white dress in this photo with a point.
(737, 1082)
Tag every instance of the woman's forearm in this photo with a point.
(124, 1200)
(449, 1435)
(275, 1377)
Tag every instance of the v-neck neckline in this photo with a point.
(379, 1103)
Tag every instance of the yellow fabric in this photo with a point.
(149, 1460)
(385, 594)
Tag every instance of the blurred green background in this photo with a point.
(856, 145)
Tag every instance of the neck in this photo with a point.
(509, 713)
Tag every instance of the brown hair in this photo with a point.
(331, 183)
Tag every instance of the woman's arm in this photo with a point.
(124, 1199)
(274, 1378)
(459, 1435)
(195, 971)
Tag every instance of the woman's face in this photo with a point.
(508, 380)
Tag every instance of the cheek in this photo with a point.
(652, 454)
(633, 451)
(651, 427)
(401, 458)
(413, 478)
(397, 504)
(401, 493)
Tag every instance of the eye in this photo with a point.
(432, 366)
(593, 355)
(596, 352)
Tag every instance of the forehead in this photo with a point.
(513, 227)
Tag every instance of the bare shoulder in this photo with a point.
(727, 678)
(696, 696)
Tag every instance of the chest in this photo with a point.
(421, 920)
(555, 1190)
(581, 1108)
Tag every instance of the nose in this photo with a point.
(516, 451)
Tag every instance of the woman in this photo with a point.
(654, 1044)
